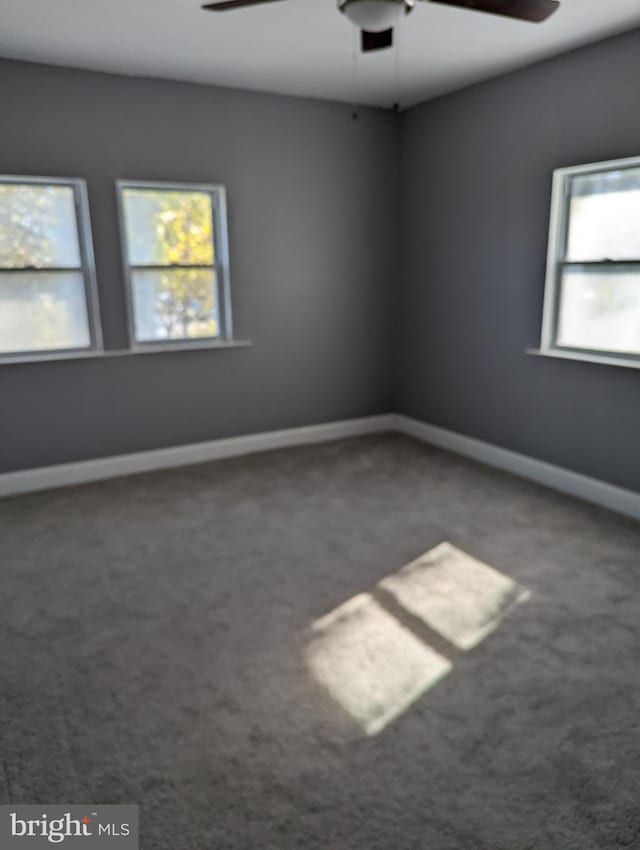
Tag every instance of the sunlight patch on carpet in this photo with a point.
(461, 598)
(373, 666)
(373, 653)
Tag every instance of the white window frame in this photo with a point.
(558, 233)
(87, 268)
(220, 266)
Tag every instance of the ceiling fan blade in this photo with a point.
(375, 40)
(227, 5)
(535, 11)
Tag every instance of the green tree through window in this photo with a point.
(42, 279)
(171, 252)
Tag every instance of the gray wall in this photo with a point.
(476, 182)
(310, 196)
(317, 203)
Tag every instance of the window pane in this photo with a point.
(42, 310)
(600, 310)
(166, 227)
(174, 304)
(38, 226)
(604, 216)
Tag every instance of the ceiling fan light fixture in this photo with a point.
(374, 15)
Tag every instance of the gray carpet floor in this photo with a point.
(153, 628)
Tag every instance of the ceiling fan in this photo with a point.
(377, 18)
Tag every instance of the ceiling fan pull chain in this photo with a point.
(396, 70)
(354, 73)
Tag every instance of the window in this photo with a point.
(592, 298)
(48, 302)
(176, 257)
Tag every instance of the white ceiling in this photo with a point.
(300, 47)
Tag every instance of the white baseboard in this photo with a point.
(590, 489)
(82, 472)
(593, 490)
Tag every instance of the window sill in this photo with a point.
(57, 357)
(602, 359)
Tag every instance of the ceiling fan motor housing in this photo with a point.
(375, 15)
